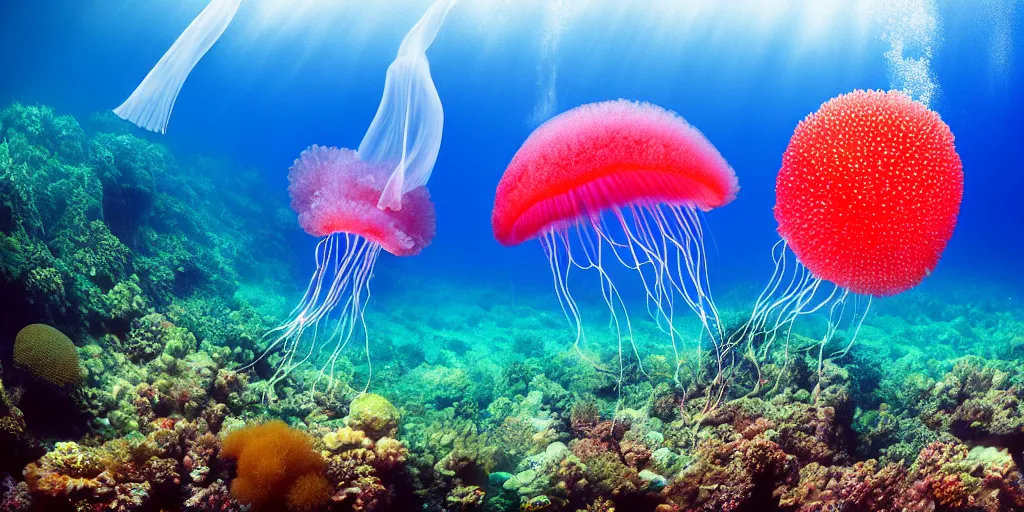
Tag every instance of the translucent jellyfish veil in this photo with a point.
(151, 103)
(406, 131)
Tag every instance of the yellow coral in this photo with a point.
(12, 422)
(390, 453)
(48, 354)
(374, 415)
(346, 438)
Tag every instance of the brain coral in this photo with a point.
(48, 354)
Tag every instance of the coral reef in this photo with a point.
(132, 473)
(167, 271)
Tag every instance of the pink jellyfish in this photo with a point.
(336, 194)
(619, 182)
(364, 201)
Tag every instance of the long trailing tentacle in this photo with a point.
(329, 314)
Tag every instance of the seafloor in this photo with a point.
(165, 271)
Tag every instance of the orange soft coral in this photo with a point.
(277, 467)
(309, 492)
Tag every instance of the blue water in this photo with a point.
(282, 78)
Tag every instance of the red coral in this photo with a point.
(937, 479)
(587, 448)
(861, 487)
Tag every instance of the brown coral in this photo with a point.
(309, 492)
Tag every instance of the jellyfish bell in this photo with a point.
(150, 104)
(619, 181)
(866, 200)
(335, 195)
(869, 192)
(333, 191)
(606, 155)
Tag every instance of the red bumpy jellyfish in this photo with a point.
(336, 195)
(867, 198)
(619, 181)
(869, 192)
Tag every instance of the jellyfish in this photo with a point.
(866, 200)
(360, 203)
(406, 131)
(150, 105)
(620, 182)
(335, 194)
